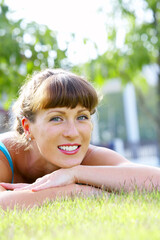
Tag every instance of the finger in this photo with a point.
(38, 182)
(22, 188)
(6, 185)
(28, 187)
(42, 186)
(10, 186)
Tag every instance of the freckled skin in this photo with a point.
(57, 171)
(62, 126)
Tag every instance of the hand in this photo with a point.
(57, 178)
(11, 186)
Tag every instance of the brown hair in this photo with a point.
(49, 89)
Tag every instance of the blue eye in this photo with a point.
(56, 119)
(83, 117)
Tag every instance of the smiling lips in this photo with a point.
(69, 149)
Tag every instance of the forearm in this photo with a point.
(29, 199)
(116, 178)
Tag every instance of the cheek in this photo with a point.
(88, 131)
(39, 134)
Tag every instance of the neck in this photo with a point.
(35, 159)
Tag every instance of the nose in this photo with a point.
(71, 130)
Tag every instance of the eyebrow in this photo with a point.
(63, 112)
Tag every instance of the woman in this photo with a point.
(48, 152)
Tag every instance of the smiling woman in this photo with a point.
(48, 152)
(49, 89)
(65, 134)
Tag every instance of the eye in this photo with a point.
(56, 119)
(83, 117)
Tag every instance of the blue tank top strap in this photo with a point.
(6, 153)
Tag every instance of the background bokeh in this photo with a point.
(115, 44)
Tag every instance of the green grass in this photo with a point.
(124, 216)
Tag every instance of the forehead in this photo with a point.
(62, 110)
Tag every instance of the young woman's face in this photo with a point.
(62, 134)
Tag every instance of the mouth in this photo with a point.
(69, 149)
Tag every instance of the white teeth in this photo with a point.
(68, 148)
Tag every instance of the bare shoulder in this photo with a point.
(5, 170)
(9, 139)
(103, 156)
(7, 136)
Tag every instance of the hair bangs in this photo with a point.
(66, 91)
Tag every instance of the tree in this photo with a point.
(133, 30)
(24, 47)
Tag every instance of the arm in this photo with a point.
(29, 199)
(125, 177)
(105, 169)
(114, 172)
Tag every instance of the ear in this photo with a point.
(26, 127)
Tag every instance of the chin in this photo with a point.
(69, 165)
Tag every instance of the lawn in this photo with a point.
(121, 216)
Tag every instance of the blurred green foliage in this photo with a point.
(111, 118)
(133, 41)
(24, 47)
(112, 121)
(141, 43)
